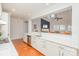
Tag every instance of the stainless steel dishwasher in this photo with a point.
(29, 40)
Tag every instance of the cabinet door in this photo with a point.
(67, 51)
(52, 49)
(40, 45)
(34, 41)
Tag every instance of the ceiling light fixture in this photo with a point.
(54, 16)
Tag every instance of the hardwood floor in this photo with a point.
(25, 50)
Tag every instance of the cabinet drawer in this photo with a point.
(68, 48)
(52, 49)
(67, 51)
(51, 43)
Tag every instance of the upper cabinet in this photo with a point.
(0, 10)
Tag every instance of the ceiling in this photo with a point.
(25, 10)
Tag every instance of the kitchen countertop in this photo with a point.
(62, 39)
(7, 49)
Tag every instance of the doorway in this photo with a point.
(25, 26)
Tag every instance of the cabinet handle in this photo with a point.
(59, 53)
(62, 54)
(44, 46)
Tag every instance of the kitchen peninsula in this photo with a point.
(52, 34)
(48, 43)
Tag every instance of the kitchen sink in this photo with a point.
(38, 35)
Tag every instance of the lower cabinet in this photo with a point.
(38, 44)
(34, 42)
(67, 51)
(52, 49)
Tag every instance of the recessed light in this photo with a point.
(47, 4)
(13, 9)
(53, 15)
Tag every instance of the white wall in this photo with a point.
(54, 8)
(0, 9)
(29, 26)
(17, 28)
(75, 22)
(25, 26)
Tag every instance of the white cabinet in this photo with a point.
(34, 41)
(50, 48)
(45, 47)
(38, 44)
(41, 45)
(25, 38)
(67, 51)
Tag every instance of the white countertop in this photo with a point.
(66, 40)
(7, 49)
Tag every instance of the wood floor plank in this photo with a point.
(25, 50)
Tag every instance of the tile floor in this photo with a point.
(25, 50)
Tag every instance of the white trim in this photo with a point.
(58, 7)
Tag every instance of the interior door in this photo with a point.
(25, 27)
